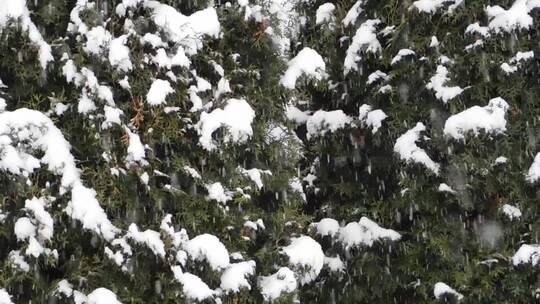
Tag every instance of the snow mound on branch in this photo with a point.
(24, 229)
(97, 41)
(102, 296)
(235, 276)
(437, 83)
(5, 298)
(408, 150)
(323, 121)
(255, 175)
(371, 118)
(515, 18)
(515, 62)
(326, 226)
(208, 247)
(527, 254)
(489, 118)
(441, 289)
(218, 193)
(325, 13)
(283, 281)
(135, 150)
(237, 117)
(307, 62)
(365, 232)
(187, 31)
(335, 264)
(376, 76)
(364, 39)
(148, 237)
(296, 115)
(432, 6)
(24, 131)
(512, 212)
(402, 53)
(158, 92)
(37, 229)
(305, 253)
(192, 286)
(119, 54)
(353, 13)
(18, 260)
(17, 9)
(534, 170)
(445, 188)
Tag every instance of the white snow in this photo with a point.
(255, 175)
(434, 42)
(24, 229)
(192, 172)
(296, 115)
(323, 121)
(209, 248)
(512, 212)
(445, 188)
(489, 118)
(476, 28)
(306, 254)
(402, 53)
(237, 117)
(432, 6)
(326, 227)
(515, 62)
(97, 41)
(192, 286)
(153, 39)
(325, 13)
(437, 83)
(86, 105)
(371, 118)
(150, 238)
(365, 232)
(500, 160)
(102, 296)
(283, 281)
(42, 218)
(186, 31)
(17, 9)
(307, 62)
(235, 276)
(105, 93)
(534, 170)
(408, 150)
(5, 298)
(218, 193)
(40, 133)
(440, 289)
(178, 237)
(515, 18)
(335, 264)
(353, 13)
(158, 92)
(112, 117)
(17, 259)
(64, 288)
(364, 39)
(376, 76)
(135, 150)
(119, 54)
(527, 254)
(508, 69)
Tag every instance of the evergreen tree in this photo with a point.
(269, 151)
